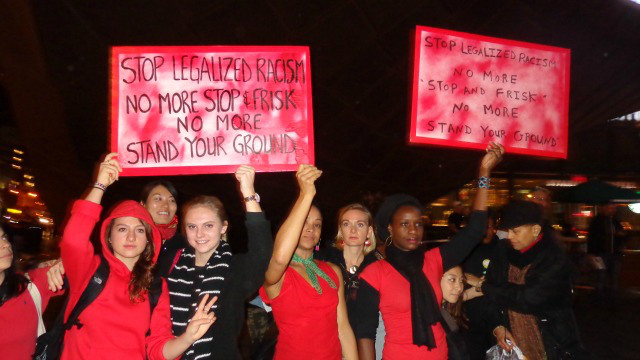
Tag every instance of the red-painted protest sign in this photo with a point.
(470, 89)
(207, 109)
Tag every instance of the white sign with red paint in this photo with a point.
(207, 109)
(471, 89)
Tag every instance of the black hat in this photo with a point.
(518, 213)
(388, 208)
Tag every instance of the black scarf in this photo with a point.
(522, 259)
(424, 306)
(188, 284)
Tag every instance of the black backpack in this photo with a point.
(49, 345)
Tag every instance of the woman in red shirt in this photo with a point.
(116, 323)
(307, 296)
(18, 313)
(405, 287)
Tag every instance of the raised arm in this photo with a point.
(108, 173)
(76, 249)
(246, 176)
(465, 240)
(289, 233)
(253, 265)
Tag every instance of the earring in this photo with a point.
(341, 241)
(367, 243)
(388, 240)
(318, 245)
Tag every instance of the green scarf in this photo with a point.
(313, 271)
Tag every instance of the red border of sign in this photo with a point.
(197, 170)
(413, 138)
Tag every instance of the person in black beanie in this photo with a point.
(405, 286)
(528, 285)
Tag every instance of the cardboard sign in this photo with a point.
(208, 109)
(470, 89)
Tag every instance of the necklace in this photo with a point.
(354, 268)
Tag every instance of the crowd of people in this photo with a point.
(164, 286)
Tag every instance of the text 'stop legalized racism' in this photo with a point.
(470, 89)
(194, 110)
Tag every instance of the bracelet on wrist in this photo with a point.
(100, 186)
(484, 182)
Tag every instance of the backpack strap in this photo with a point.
(37, 300)
(90, 293)
(175, 259)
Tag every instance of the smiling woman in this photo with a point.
(207, 267)
(160, 198)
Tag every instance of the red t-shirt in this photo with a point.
(395, 306)
(307, 321)
(19, 319)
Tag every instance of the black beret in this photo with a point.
(518, 213)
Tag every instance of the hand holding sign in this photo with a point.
(109, 170)
(492, 158)
(245, 175)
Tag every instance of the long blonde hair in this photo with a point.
(370, 222)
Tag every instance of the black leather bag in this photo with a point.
(49, 345)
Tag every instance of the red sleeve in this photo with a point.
(39, 279)
(264, 296)
(77, 252)
(433, 263)
(372, 274)
(160, 326)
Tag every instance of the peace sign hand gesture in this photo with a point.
(201, 320)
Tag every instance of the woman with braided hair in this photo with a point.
(307, 295)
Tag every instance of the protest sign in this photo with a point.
(207, 109)
(471, 89)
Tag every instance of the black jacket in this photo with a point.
(605, 236)
(546, 294)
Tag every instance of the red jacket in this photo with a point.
(113, 326)
(19, 319)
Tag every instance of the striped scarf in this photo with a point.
(313, 271)
(187, 286)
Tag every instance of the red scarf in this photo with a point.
(167, 231)
(521, 250)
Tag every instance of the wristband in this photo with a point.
(483, 182)
(255, 197)
(100, 186)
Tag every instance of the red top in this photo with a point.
(19, 319)
(307, 321)
(395, 306)
(113, 326)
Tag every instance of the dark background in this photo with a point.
(54, 87)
